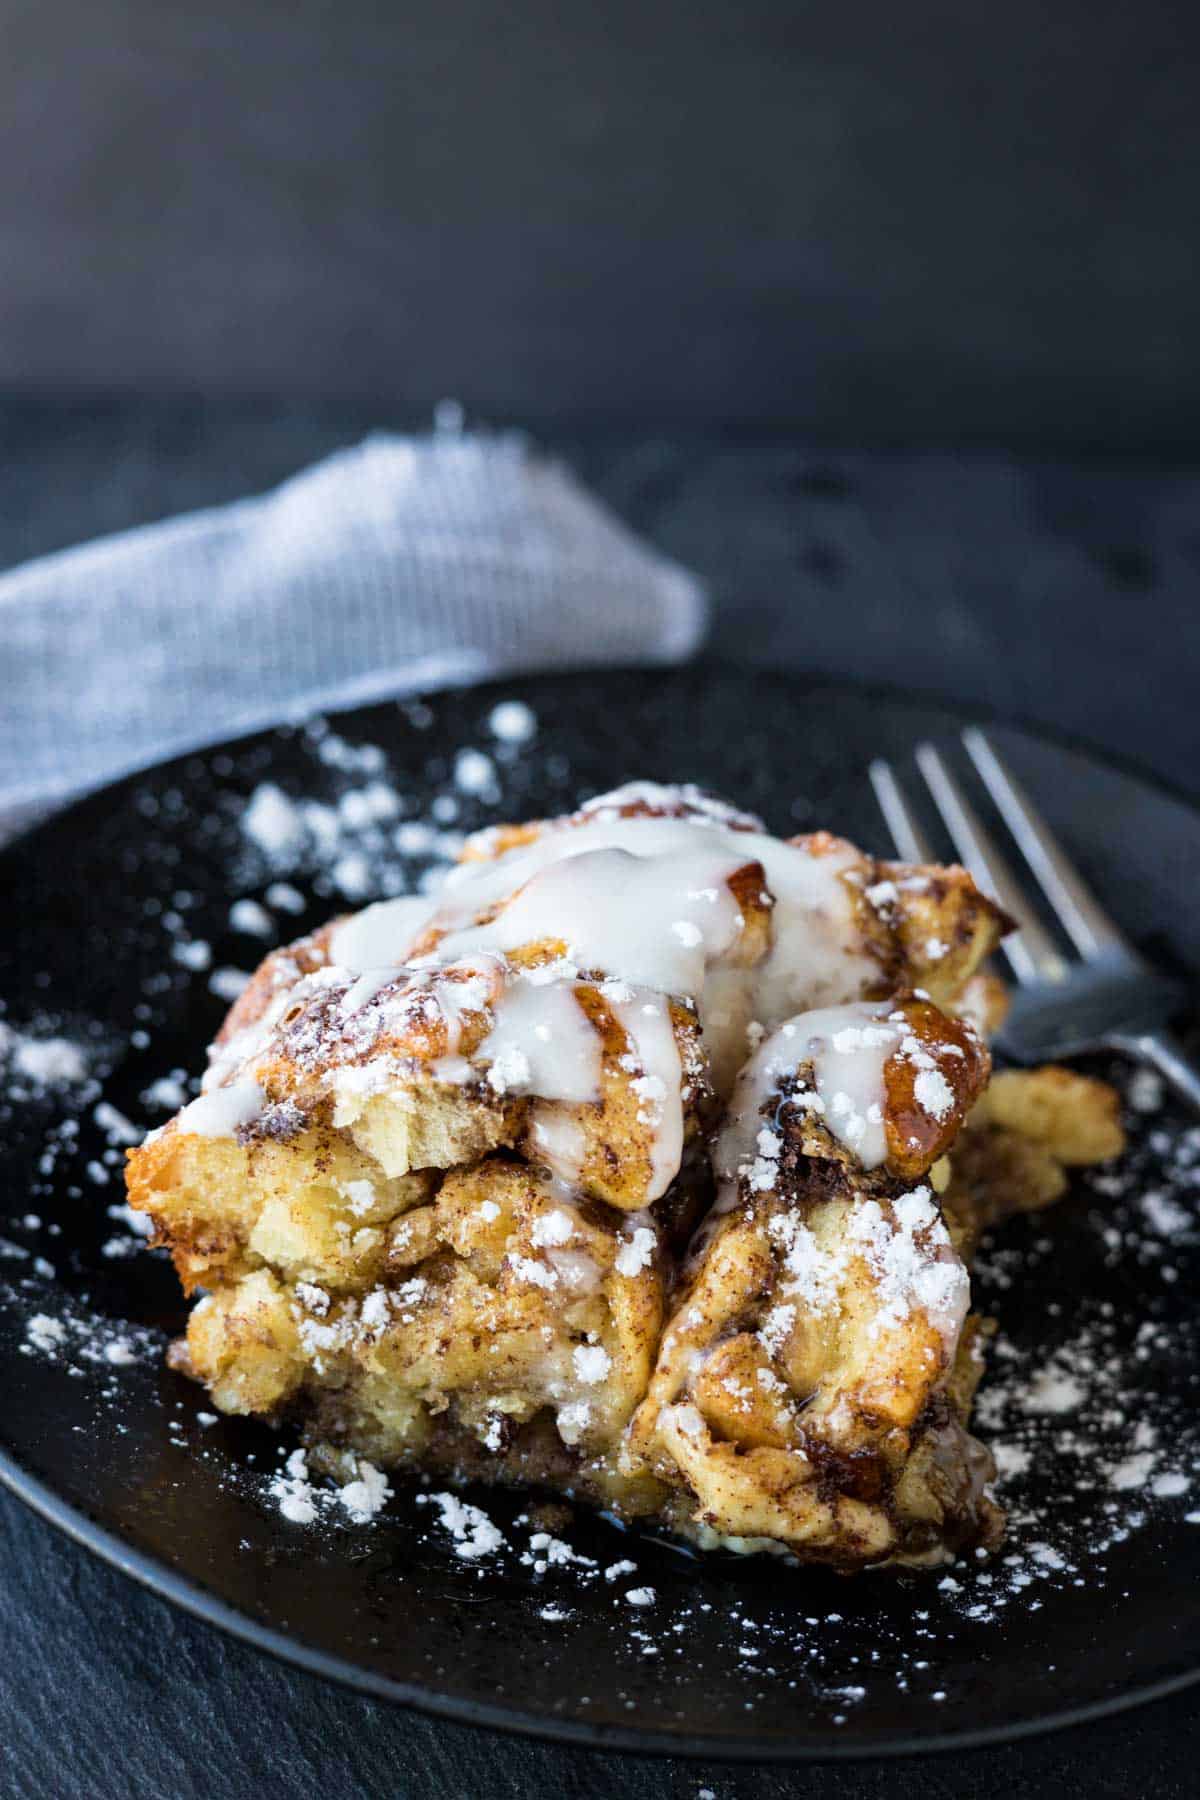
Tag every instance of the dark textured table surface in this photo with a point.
(1063, 594)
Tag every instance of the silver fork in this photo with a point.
(1106, 998)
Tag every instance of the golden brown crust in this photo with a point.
(498, 1302)
(1023, 1135)
(225, 1208)
(945, 926)
(280, 969)
(1074, 1117)
(916, 1137)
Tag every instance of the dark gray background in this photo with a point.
(872, 221)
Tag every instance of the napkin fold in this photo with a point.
(400, 564)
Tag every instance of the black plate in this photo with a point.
(741, 1658)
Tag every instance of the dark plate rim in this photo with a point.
(202, 1604)
(205, 1606)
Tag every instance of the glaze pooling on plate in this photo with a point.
(759, 1660)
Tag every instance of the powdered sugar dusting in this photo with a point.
(35, 1062)
(304, 1500)
(474, 1533)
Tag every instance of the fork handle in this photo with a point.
(1163, 1051)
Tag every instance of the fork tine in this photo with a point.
(1079, 912)
(1030, 950)
(911, 843)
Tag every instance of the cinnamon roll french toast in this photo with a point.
(640, 1161)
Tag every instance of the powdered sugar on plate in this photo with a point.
(1089, 1402)
(303, 1500)
(365, 843)
(33, 1062)
(63, 1332)
(474, 1534)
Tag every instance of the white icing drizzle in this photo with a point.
(374, 1008)
(904, 1243)
(542, 1043)
(379, 935)
(644, 901)
(815, 956)
(656, 921)
(726, 1009)
(455, 999)
(657, 1081)
(560, 1141)
(365, 988)
(848, 1047)
(219, 1112)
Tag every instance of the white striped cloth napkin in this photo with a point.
(399, 564)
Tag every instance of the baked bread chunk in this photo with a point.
(615, 1165)
(812, 1386)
